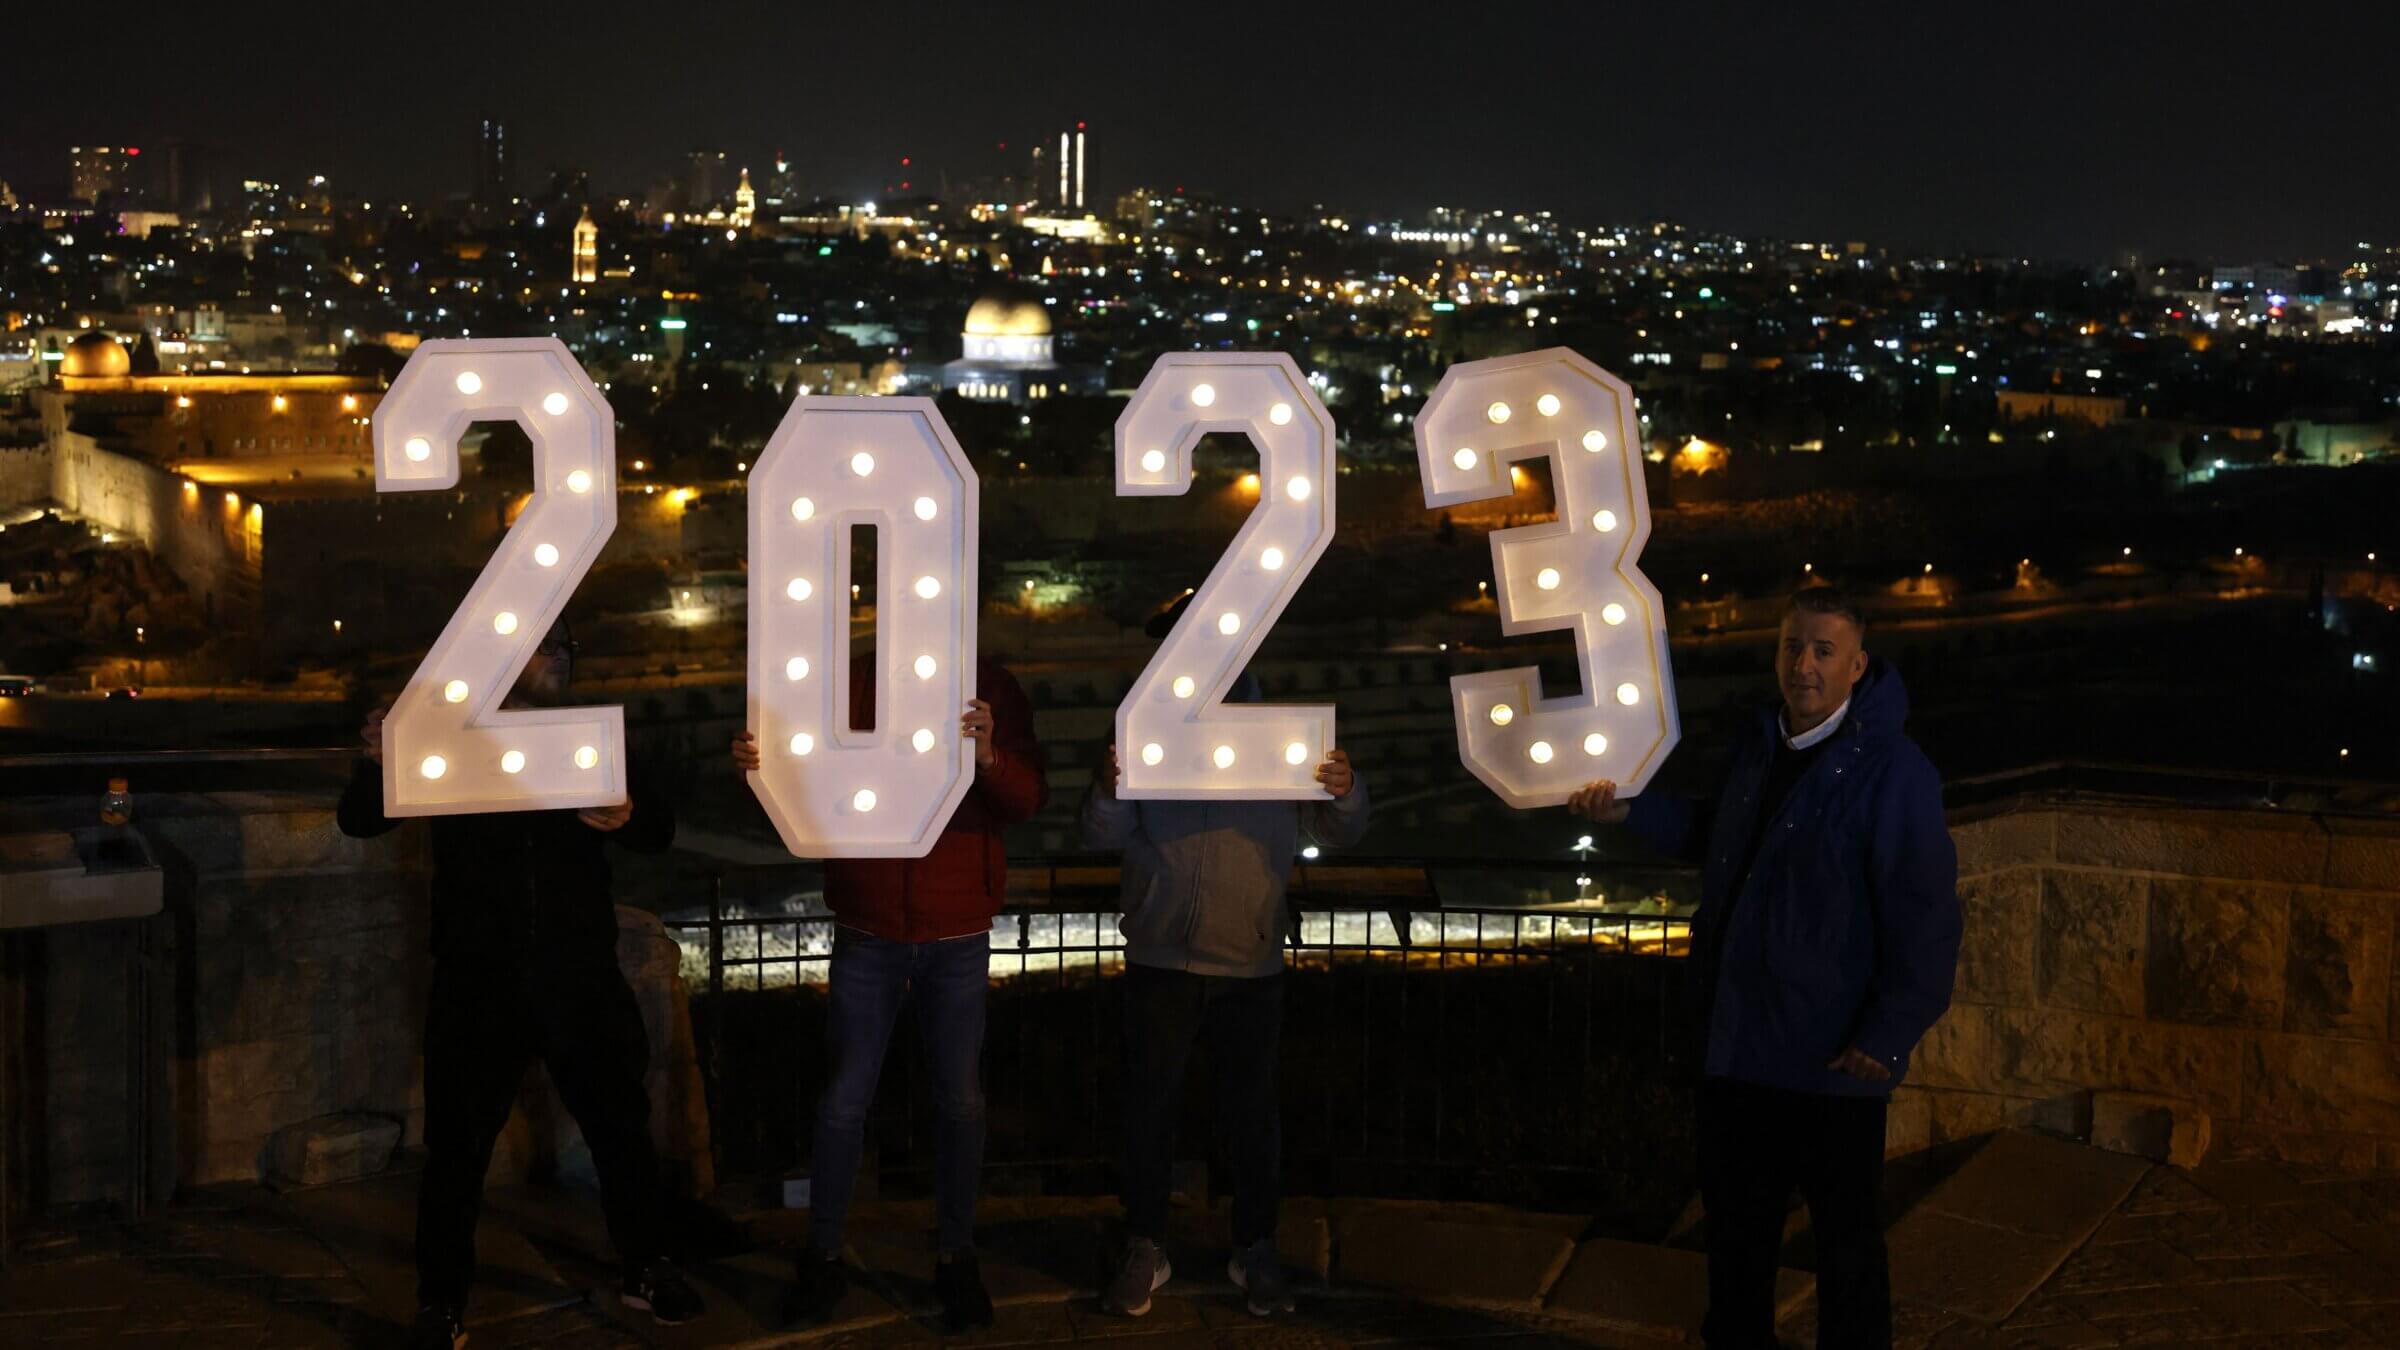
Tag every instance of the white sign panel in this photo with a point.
(1577, 573)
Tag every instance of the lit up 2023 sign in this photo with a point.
(1175, 738)
(1576, 573)
(449, 746)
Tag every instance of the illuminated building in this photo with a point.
(703, 179)
(745, 203)
(1008, 353)
(585, 254)
(97, 171)
(494, 171)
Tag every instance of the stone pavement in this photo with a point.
(2029, 1242)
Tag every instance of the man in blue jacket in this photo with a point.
(1823, 950)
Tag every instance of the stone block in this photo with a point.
(1997, 843)
(2362, 853)
(2162, 1129)
(2217, 952)
(1646, 1290)
(1996, 959)
(2038, 1053)
(2047, 1188)
(2338, 972)
(2093, 929)
(2320, 1084)
(1460, 1263)
(330, 1148)
(1959, 1266)
(1908, 1124)
(2232, 845)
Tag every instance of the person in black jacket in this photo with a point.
(525, 965)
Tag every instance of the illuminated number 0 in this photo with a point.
(448, 747)
(1578, 572)
(1174, 738)
(836, 463)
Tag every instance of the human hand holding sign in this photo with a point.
(606, 819)
(977, 727)
(1860, 1065)
(372, 734)
(1335, 773)
(1597, 801)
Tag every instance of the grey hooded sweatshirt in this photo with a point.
(1204, 881)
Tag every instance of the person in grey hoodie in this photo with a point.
(1204, 926)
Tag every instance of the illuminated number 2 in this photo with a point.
(1578, 573)
(449, 747)
(832, 465)
(1174, 738)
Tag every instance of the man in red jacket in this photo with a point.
(921, 924)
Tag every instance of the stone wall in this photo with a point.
(2239, 961)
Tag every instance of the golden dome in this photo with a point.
(1010, 313)
(95, 354)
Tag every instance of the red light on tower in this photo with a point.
(904, 161)
(1079, 126)
(133, 149)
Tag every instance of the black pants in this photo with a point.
(1757, 1145)
(482, 1025)
(1165, 1011)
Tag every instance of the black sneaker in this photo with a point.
(1258, 1272)
(659, 1290)
(1144, 1273)
(438, 1328)
(958, 1282)
(818, 1283)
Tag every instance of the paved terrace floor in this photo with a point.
(2029, 1242)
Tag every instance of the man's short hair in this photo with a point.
(1826, 599)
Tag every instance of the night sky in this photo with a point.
(2063, 130)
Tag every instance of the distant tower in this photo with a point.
(586, 255)
(703, 180)
(1063, 167)
(495, 174)
(745, 202)
(1079, 166)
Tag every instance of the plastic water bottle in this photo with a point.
(116, 809)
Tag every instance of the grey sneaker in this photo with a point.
(1144, 1273)
(1258, 1272)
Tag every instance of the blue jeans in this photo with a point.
(869, 977)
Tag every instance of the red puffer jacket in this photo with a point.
(956, 888)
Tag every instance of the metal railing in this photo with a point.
(1435, 1041)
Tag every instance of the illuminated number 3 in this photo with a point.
(1174, 737)
(832, 465)
(448, 746)
(1578, 572)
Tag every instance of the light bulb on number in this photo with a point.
(546, 554)
(1612, 615)
(796, 668)
(1463, 458)
(802, 743)
(1154, 461)
(1184, 686)
(925, 667)
(555, 405)
(1224, 757)
(455, 691)
(863, 799)
(925, 508)
(862, 464)
(927, 588)
(418, 449)
(1498, 412)
(513, 762)
(587, 757)
(434, 766)
(1604, 521)
(1298, 489)
(1628, 695)
(1595, 441)
(1272, 560)
(1547, 579)
(504, 623)
(1229, 623)
(1502, 714)
(1546, 405)
(1153, 753)
(1595, 744)
(922, 740)
(579, 481)
(1280, 414)
(1203, 395)
(469, 382)
(1296, 753)
(1538, 752)
(803, 508)
(799, 589)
